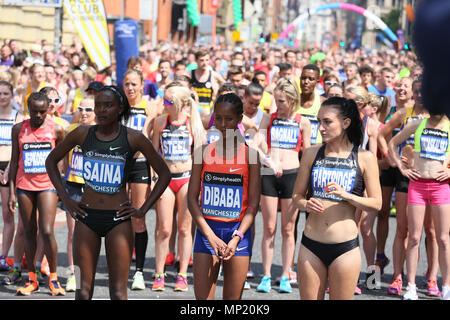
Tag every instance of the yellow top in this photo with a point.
(266, 102)
(75, 167)
(76, 101)
(27, 94)
(311, 114)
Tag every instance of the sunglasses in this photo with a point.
(55, 100)
(330, 83)
(168, 102)
(87, 109)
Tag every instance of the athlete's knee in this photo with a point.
(184, 232)
(46, 232)
(401, 232)
(443, 242)
(269, 231)
(413, 240)
(84, 293)
(163, 233)
(118, 294)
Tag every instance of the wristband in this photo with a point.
(238, 233)
(253, 210)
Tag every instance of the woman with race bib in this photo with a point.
(228, 177)
(330, 186)
(428, 186)
(105, 209)
(32, 141)
(8, 117)
(288, 132)
(175, 134)
(139, 178)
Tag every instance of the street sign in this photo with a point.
(33, 3)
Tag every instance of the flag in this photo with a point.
(89, 19)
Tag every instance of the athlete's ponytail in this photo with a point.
(348, 110)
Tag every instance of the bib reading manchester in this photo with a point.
(222, 195)
(103, 172)
(34, 155)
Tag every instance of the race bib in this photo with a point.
(222, 195)
(433, 144)
(340, 171)
(34, 155)
(137, 119)
(76, 162)
(176, 145)
(213, 135)
(314, 127)
(5, 132)
(284, 134)
(103, 173)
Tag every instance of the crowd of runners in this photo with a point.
(209, 137)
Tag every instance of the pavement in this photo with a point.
(101, 291)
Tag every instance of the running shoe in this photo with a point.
(358, 291)
(393, 211)
(292, 276)
(433, 289)
(445, 293)
(158, 284)
(265, 285)
(247, 286)
(71, 284)
(45, 269)
(285, 286)
(133, 257)
(182, 283)
(382, 264)
(55, 288)
(4, 266)
(30, 287)
(10, 262)
(14, 276)
(170, 259)
(396, 287)
(138, 281)
(250, 274)
(411, 294)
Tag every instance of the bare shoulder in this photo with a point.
(366, 159)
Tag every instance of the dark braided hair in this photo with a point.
(233, 99)
(37, 96)
(122, 99)
(348, 109)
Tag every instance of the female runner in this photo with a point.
(229, 180)
(428, 186)
(175, 133)
(32, 141)
(330, 186)
(105, 209)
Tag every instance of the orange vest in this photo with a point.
(224, 185)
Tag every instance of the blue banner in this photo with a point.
(126, 45)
